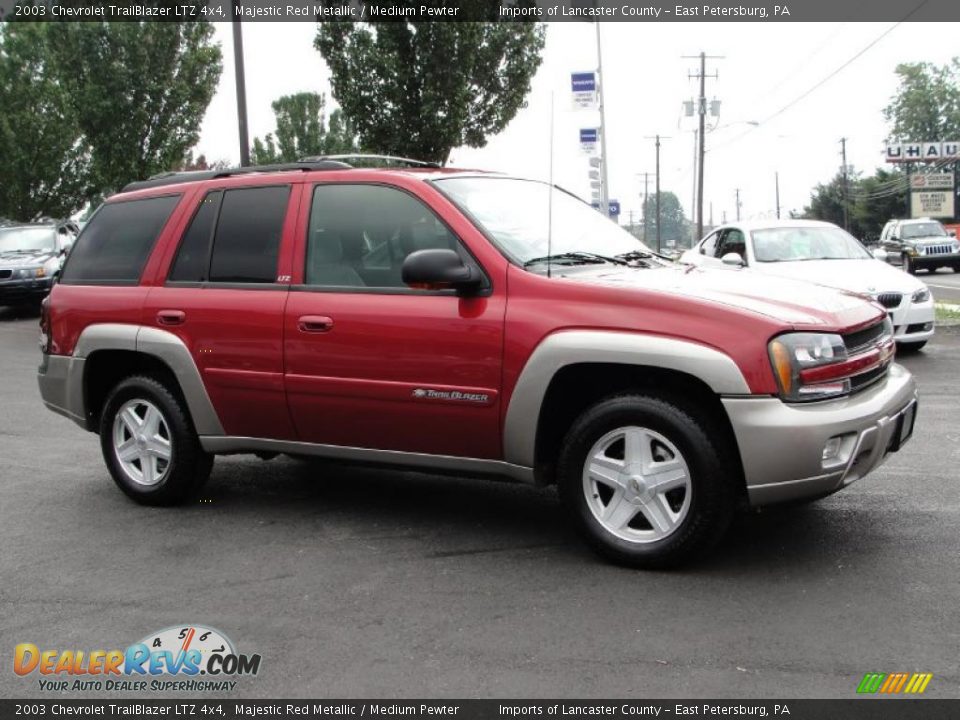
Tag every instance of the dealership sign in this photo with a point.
(922, 151)
(932, 181)
(588, 140)
(584, 87)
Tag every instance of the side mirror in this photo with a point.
(879, 253)
(439, 269)
(733, 259)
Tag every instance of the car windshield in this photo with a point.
(927, 229)
(27, 239)
(794, 244)
(515, 214)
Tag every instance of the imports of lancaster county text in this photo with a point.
(631, 12)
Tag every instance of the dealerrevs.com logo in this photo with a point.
(186, 658)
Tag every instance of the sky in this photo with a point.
(765, 67)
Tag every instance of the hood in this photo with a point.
(867, 277)
(31, 258)
(930, 240)
(793, 302)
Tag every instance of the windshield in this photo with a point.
(928, 229)
(514, 213)
(24, 239)
(793, 244)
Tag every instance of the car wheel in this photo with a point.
(149, 443)
(643, 482)
(908, 265)
(910, 347)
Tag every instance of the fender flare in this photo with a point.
(574, 347)
(165, 347)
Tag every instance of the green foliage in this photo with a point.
(873, 200)
(420, 89)
(44, 159)
(927, 103)
(139, 92)
(302, 131)
(674, 225)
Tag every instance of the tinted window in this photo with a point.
(732, 242)
(359, 235)
(248, 235)
(194, 253)
(116, 243)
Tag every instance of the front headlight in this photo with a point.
(921, 295)
(32, 272)
(794, 353)
(911, 251)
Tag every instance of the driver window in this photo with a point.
(733, 242)
(709, 246)
(359, 235)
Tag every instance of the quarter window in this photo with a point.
(115, 246)
(193, 257)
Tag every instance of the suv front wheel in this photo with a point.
(149, 443)
(644, 483)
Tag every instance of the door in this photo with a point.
(372, 363)
(222, 299)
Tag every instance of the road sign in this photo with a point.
(613, 208)
(588, 140)
(584, 87)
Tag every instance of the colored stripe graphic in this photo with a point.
(894, 683)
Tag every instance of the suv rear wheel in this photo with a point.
(644, 483)
(149, 443)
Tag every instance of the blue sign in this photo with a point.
(613, 208)
(588, 136)
(583, 82)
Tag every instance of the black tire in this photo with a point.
(908, 265)
(188, 466)
(713, 481)
(910, 347)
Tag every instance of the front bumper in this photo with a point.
(14, 292)
(781, 445)
(912, 322)
(932, 262)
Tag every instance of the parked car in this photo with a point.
(920, 244)
(30, 259)
(427, 318)
(822, 253)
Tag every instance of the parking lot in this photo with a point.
(353, 582)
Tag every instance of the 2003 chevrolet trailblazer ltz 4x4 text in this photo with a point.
(434, 319)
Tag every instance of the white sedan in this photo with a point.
(822, 253)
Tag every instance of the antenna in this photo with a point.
(550, 194)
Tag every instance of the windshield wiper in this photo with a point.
(20, 252)
(578, 257)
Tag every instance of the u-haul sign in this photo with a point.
(922, 151)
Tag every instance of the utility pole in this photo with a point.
(241, 92)
(843, 154)
(738, 204)
(646, 181)
(776, 183)
(657, 139)
(693, 200)
(702, 110)
(604, 190)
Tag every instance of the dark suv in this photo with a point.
(920, 244)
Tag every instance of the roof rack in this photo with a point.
(176, 178)
(409, 162)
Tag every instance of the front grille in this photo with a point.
(937, 250)
(865, 380)
(6, 274)
(860, 339)
(889, 300)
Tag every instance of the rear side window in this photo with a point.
(114, 247)
(193, 257)
(247, 240)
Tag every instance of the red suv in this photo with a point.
(467, 322)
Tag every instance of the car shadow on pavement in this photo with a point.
(18, 312)
(450, 515)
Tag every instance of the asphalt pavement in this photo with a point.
(944, 284)
(353, 582)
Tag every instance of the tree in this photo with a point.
(420, 89)
(302, 131)
(927, 103)
(139, 91)
(674, 225)
(44, 159)
(872, 201)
